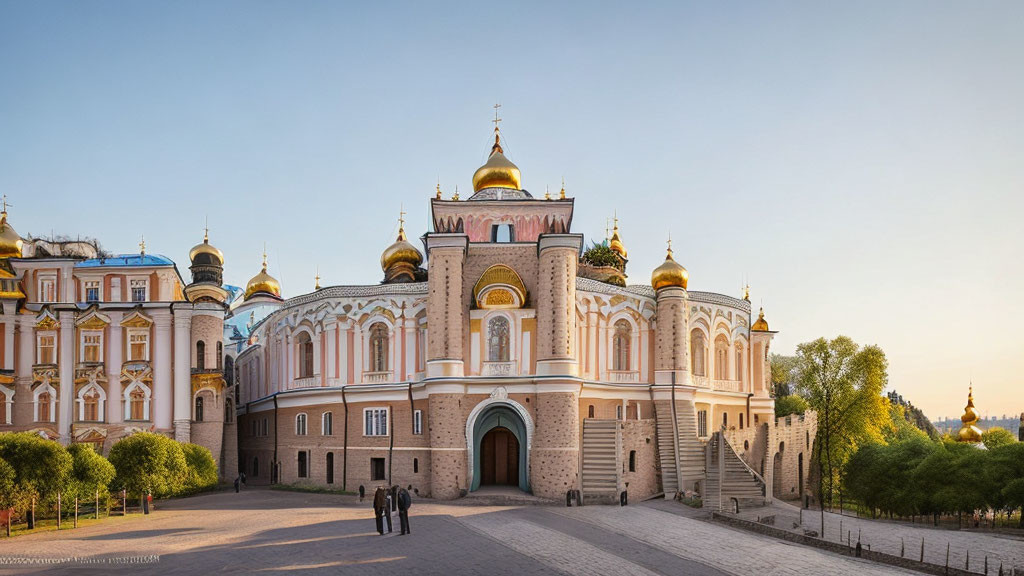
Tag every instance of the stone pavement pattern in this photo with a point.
(283, 532)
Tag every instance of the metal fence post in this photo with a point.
(58, 510)
(76, 511)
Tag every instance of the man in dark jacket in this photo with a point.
(379, 501)
(404, 502)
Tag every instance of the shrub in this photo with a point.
(788, 405)
(202, 470)
(42, 467)
(601, 255)
(149, 462)
(90, 473)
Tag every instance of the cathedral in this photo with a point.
(500, 351)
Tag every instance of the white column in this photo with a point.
(318, 339)
(410, 349)
(289, 354)
(592, 355)
(331, 345)
(9, 320)
(162, 371)
(67, 369)
(343, 359)
(357, 353)
(113, 346)
(183, 375)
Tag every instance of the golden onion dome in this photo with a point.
(402, 251)
(10, 241)
(670, 273)
(615, 243)
(969, 432)
(206, 253)
(760, 325)
(263, 283)
(498, 171)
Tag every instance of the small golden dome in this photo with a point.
(10, 241)
(210, 255)
(402, 251)
(498, 171)
(670, 273)
(616, 243)
(760, 325)
(263, 283)
(969, 432)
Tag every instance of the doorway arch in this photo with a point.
(499, 433)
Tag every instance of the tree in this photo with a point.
(843, 383)
(42, 467)
(783, 375)
(202, 470)
(791, 404)
(91, 472)
(10, 496)
(1006, 464)
(149, 462)
(995, 437)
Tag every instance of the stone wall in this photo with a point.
(211, 331)
(447, 427)
(554, 466)
(640, 436)
(790, 442)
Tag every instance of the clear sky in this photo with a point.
(860, 163)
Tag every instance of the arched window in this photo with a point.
(201, 355)
(220, 355)
(725, 419)
(739, 363)
(590, 411)
(45, 399)
(623, 335)
(415, 465)
(379, 347)
(741, 421)
(327, 424)
(300, 424)
(199, 408)
(91, 403)
(721, 357)
(305, 347)
(137, 404)
(229, 371)
(698, 347)
(632, 460)
(330, 467)
(497, 339)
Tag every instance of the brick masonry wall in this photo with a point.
(210, 330)
(448, 438)
(639, 435)
(555, 459)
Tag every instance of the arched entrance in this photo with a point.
(499, 458)
(500, 444)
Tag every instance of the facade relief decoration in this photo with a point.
(506, 285)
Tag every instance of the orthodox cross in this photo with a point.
(6, 204)
(142, 245)
(206, 230)
(496, 118)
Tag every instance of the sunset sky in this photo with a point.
(860, 164)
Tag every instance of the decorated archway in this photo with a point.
(499, 411)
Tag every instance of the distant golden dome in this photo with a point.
(969, 432)
(670, 273)
(402, 251)
(206, 253)
(616, 243)
(498, 171)
(263, 283)
(760, 325)
(10, 241)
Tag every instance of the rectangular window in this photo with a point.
(300, 425)
(303, 464)
(618, 412)
(327, 428)
(47, 352)
(139, 290)
(92, 347)
(263, 427)
(92, 291)
(138, 346)
(417, 422)
(48, 289)
(702, 423)
(376, 469)
(375, 422)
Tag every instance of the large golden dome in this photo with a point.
(760, 325)
(10, 241)
(615, 243)
(498, 171)
(263, 283)
(670, 273)
(969, 432)
(206, 252)
(402, 251)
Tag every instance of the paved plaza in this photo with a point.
(269, 531)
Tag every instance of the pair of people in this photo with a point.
(385, 501)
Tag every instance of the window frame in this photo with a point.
(92, 285)
(85, 334)
(143, 284)
(301, 424)
(132, 332)
(327, 423)
(39, 346)
(417, 422)
(41, 292)
(373, 424)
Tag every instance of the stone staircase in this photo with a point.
(691, 450)
(602, 441)
(729, 478)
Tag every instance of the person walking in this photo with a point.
(379, 501)
(389, 504)
(404, 502)
(362, 492)
(236, 484)
(242, 476)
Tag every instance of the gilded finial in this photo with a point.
(746, 292)
(316, 286)
(438, 196)
(401, 223)
(206, 231)
(669, 245)
(456, 195)
(264, 256)
(561, 195)
(497, 132)
(547, 192)
(142, 246)
(4, 212)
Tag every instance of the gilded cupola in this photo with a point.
(760, 325)
(207, 262)
(969, 431)
(498, 171)
(10, 241)
(263, 283)
(670, 273)
(400, 260)
(615, 242)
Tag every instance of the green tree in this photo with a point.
(783, 375)
(900, 425)
(10, 496)
(995, 437)
(149, 462)
(791, 404)
(91, 472)
(1006, 465)
(42, 467)
(202, 470)
(843, 382)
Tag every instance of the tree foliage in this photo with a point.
(843, 382)
(90, 472)
(602, 255)
(147, 462)
(791, 404)
(202, 470)
(42, 467)
(783, 375)
(995, 437)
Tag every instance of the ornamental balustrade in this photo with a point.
(728, 385)
(623, 376)
(701, 381)
(499, 368)
(377, 377)
(308, 382)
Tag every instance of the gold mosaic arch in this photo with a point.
(502, 285)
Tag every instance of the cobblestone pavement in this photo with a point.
(280, 532)
(884, 536)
